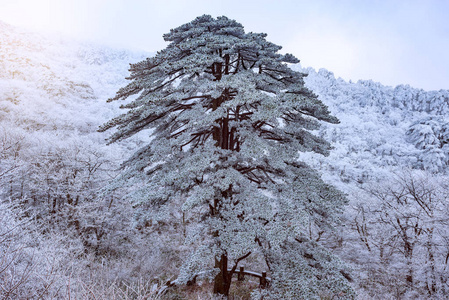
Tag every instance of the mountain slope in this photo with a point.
(59, 79)
(382, 128)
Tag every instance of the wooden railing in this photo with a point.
(264, 280)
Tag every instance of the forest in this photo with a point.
(335, 189)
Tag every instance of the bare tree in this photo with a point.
(403, 223)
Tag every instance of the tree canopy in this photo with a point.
(227, 119)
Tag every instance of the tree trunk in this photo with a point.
(222, 281)
(432, 281)
(409, 257)
(221, 134)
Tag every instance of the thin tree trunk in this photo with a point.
(432, 285)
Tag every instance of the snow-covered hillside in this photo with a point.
(49, 84)
(381, 128)
(53, 95)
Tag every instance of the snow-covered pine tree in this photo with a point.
(228, 119)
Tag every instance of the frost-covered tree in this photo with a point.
(431, 136)
(403, 227)
(228, 117)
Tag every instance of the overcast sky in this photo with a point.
(390, 41)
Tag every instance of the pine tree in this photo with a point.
(228, 118)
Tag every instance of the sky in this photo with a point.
(389, 41)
